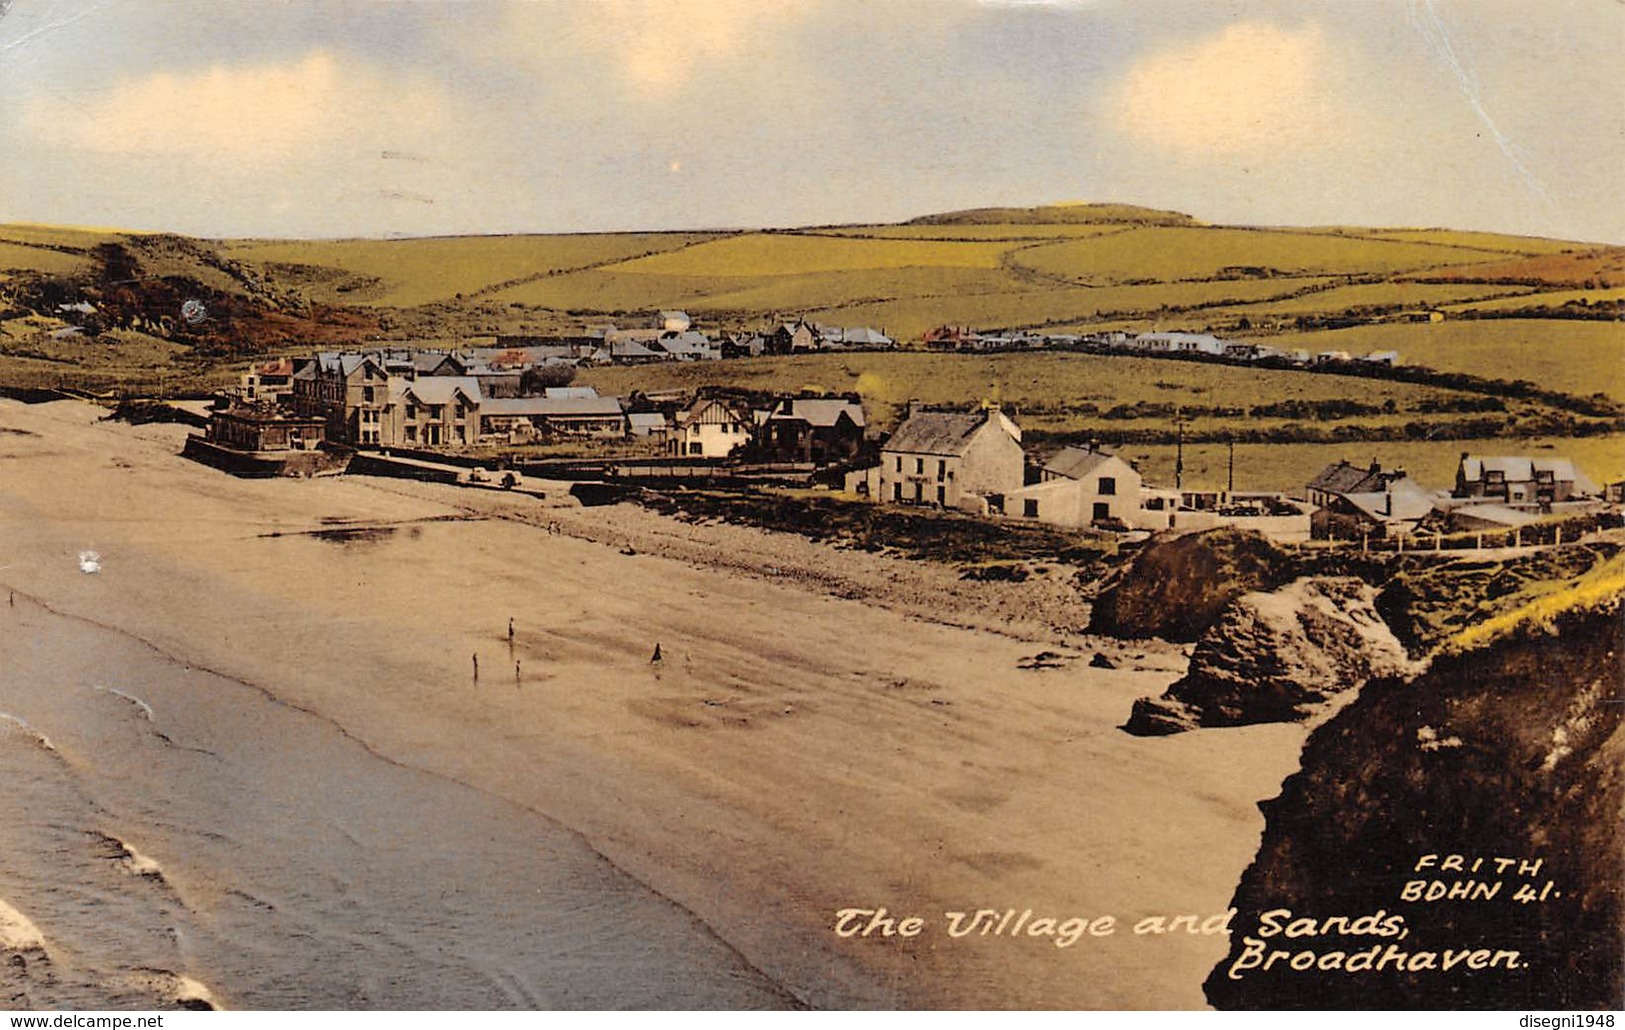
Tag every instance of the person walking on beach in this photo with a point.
(476, 668)
(510, 629)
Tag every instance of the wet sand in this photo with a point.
(578, 826)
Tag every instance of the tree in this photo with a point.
(536, 379)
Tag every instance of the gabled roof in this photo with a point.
(1343, 478)
(1076, 462)
(937, 432)
(1518, 469)
(1403, 501)
(442, 389)
(650, 419)
(821, 412)
(563, 392)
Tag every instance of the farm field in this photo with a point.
(1176, 253)
(404, 273)
(1047, 388)
(1572, 356)
(1544, 299)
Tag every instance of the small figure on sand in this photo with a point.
(510, 629)
(656, 659)
(476, 667)
(516, 674)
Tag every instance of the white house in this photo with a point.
(952, 460)
(1079, 487)
(710, 428)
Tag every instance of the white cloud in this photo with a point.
(1250, 89)
(246, 116)
(657, 46)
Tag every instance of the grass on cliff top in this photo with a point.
(1602, 586)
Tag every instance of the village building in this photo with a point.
(793, 338)
(264, 427)
(264, 439)
(347, 391)
(267, 381)
(562, 411)
(1354, 501)
(823, 431)
(1179, 343)
(952, 460)
(1521, 481)
(647, 424)
(710, 428)
(1344, 478)
(435, 411)
(1080, 487)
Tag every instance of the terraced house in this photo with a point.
(349, 392)
(435, 411)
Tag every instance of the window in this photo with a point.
(1029, 508)
(942, 470)
(411, 434)
(696, 448)
(1102, 511)
(899, 463)
(366, 394)
(411, 410)
(437, 411)
(942, 496)
(919, 466)
(461, 412)
(897, 488)
(1108, 487)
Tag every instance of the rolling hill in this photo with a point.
(1546, 305)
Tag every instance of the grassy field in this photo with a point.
(1479, 240)
(1046, 388)
(115, 360)
(1571, 356)
(1409, 296)
(1546, 299)
(759, 254)
(1287, 467)
(403, 273)
(1175, 253)
(15, 256)
(1008, 233)
(1074, 308)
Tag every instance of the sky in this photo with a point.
(325, 118)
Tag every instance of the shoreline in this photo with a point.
(794, 753)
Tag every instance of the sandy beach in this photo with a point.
(266, 690)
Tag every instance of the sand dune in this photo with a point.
(826, 731)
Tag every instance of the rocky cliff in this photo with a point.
(1277, 657)
(1176, 588)
(1509, 754)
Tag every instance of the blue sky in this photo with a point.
(334, 118)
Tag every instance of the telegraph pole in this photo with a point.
(1179, 453)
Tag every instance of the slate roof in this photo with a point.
(821, 412)
(936, 432)
(1076, 462)
(1403, 501)
(1343, 478)
(554, 407)
(442, 389)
